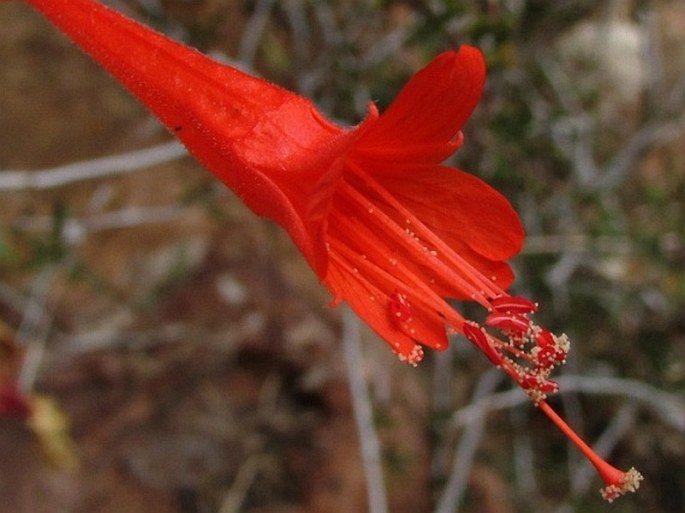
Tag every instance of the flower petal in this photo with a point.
(460, 208)
(370, 300)
(423, 123)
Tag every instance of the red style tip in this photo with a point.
(619, 483)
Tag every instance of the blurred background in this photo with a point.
(178, 352)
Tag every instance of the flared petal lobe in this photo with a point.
(423, 124)
(405, 233)
(470, 216)
(270, 146)
(409, 238)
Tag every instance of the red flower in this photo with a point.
(370, 207)
(385, 227)
(13, 402)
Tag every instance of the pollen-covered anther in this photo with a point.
(399, 308)
(551, 350)
(513, 304)
(414, 357)
(537, 386)
(480, 338)
(508, 322)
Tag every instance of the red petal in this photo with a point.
(461, 209)
(360, 273)
(373, 306)
(423, 122)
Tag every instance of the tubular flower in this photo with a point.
(384, 226)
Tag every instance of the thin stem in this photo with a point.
(466, 449)
(60, 176)
(35, 326)
(669, 408)
(254, 31)
(433, 303)
(361, 403)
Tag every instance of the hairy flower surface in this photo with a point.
(384, 225)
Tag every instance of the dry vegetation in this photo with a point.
(188, 347)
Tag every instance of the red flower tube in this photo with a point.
(385, 227)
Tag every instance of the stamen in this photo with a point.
(478, 337)
(401, 280)
(483, 285)
(409, 241)
(424, 301)
(508, 322)
(414, 357)
(399, 308)
(513, 304)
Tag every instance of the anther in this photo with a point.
(513, 304)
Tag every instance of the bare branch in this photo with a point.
(36, 323)
(75, 230)
(670, 408)
(368, 437)
(254, 31)
(247, 473)
(649, 135)
(90, 169)
(524, 456)
(466, 449)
